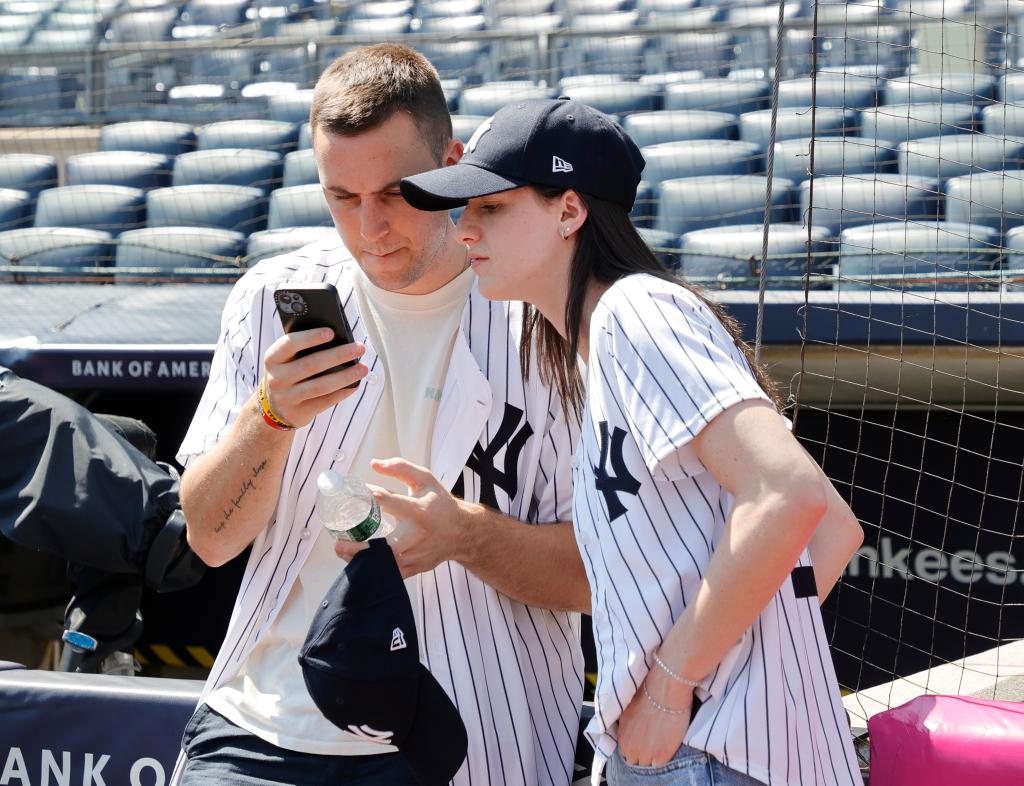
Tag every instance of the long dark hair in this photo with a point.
(608, 248)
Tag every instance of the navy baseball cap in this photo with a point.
(545, 142)
(361, 665)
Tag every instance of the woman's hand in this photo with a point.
(649, 735)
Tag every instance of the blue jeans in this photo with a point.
(689, 767)
(219, 752)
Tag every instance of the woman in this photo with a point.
(698, 514)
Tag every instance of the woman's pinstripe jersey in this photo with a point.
(647, 516)
(515, 672)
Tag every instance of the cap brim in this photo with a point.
(436, 744)
(452, 186)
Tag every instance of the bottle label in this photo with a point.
(365, 529)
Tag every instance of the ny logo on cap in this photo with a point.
(482, 129)
(560, 165)
(397, 640)
(371, 734)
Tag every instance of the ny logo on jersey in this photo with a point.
(622, 480)
(481, 460)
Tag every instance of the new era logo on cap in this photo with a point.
(397, 640)
(560, 165)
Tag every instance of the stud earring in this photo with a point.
(565, 233)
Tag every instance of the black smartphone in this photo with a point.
(308, 306)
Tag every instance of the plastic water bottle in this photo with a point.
(346, 507)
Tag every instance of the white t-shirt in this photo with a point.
(648, 515)
(413, 335)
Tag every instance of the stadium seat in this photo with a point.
(581, 7)
(118, 168)
(272, 242)
(299, 169)
(299, 206)
(846, 44)
(993, 199)
(831, 90)
(194, 32)
(229, 166)
(488, 99)
(453, 25)
(833, 156)
(74, 39)
(13, 40)
(139, 27)
(692, 203)
(665, 246)
(653, 128)
(795, 123)
(446, 8)
(255, 96)
(903, 122)
(734, 96)
(305, 137)
(623, 53)
(710, 52)
(221, 66)
(933, 248)
(521, 8)
(275, 135)
(56, 246)
(1011, 88)
(700, 157)
(754, 47)
(464, 59)
(290, 107)
(383, 9)
(38, 94)
(175, 247)
(214, 12)
(1014, 263)
(388, 27)
(148, 136)
(31, 172)
(240, 208)
(585, 80)
(113, 209)
(960, 154)
(15, 208)
(736, 251)
(645, 206)
(841, 202)
(200, 104)
(1003, 120)
(463, 126)
(306, 29)
(616, 98)
(946, 88)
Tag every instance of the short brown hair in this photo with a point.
(366, 86)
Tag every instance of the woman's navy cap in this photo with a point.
(560, 143)
(361, 665)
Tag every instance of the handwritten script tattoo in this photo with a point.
(236, 502)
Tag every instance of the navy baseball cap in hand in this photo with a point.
(362, 668)
(560, 143)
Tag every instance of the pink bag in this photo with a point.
(948, 741)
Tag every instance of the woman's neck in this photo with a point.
(553, 310)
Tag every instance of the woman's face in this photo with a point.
(516, 247)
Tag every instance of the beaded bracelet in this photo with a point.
(269, 416)
(673, 675)
(662, 707)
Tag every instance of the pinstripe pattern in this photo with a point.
(514, 672)
(661, 367)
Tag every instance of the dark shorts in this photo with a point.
(219, 752)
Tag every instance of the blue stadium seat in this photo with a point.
(645, 206)
(140, 27)
(710, 52)
(447, 8)
(700, 157)
(522, 8)
(833, 156)
(902, 122)
(255, 97)
(194, 32)
(734, 96)
(453, 25)
(665, 246)
(616, 98)
(1003, 120)
(933, 248)
(960, 154)
(841, 202)
(847, 43)
(229, 166)
(832, 90)
(754, 47)
(118, 168)
(56, 246)
(214, 12)
(221, 66)
(692, 203)
(385, 9)
(794, 123)
(240, 208)
(272, 242)
(290, 107)
(13, 40)
(175, 247)
(199, 104)
(300, 169)
(1014, 263)
(15, 208)
(463, 126)
(946, 88)
(465, 59)
(306, 29)
(62, 40)
(31, 172)
(148, 136)
(1011, 88)
(993, 199)
(275, 135)
(488, 99)
(567, 83)
(305, 137)
(37, 95)
(299, 206)
(653, 128)
(388, 27)
(582, 7)
(113, 209)
(662, 79)
(623, 53)
(522, 55)
(736, 251)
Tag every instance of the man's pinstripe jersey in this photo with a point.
(515, 672)
(648, 515)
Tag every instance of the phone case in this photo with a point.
(307, 306)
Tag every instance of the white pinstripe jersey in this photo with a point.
(648, 514)
(515, 672)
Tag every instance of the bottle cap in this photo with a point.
(329, 482)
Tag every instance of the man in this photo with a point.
(493, 571)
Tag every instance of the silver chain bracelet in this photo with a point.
(673, 675)
(662, 707)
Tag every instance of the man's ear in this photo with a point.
(454, 152)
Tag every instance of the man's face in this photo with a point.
(396, 245)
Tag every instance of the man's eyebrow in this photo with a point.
(343, 192)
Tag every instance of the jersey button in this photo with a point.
(305, 534)
(372, 378)
(339, 455)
